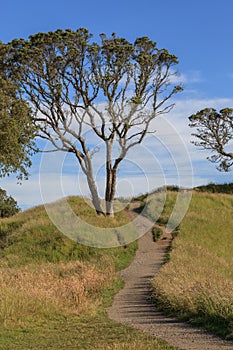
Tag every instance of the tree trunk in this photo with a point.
(113, 191)
(108, 189)
(110, 192)
(109, 208)
(95, 197)
(93, 189)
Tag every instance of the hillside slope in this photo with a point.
(54, 291)
(197, 283)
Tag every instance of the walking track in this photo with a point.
(133, 305)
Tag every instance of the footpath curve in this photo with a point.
(133, 305)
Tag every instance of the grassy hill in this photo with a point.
(197, 282)
(54, 291)
(31, 238)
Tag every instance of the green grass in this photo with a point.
(31, 238)
(54, 291)
(159, 206)
(96, 332)
(197, 282)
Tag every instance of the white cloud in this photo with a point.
(186, 78)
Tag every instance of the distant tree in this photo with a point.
(16, 126)
(115, 87)
(8, 206)
(216, 188)
(215, 133)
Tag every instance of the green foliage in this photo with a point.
(215, 133)
(8, 206)
(216, 188)
(156, 233)
(16, 126)
(45, 62)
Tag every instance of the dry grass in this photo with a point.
(48, 289)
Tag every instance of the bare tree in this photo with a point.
(215, 133)
(115, 87)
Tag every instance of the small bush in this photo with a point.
(8, 206)
(156, 233)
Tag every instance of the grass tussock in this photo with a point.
(197, 283)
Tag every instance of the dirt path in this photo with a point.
(133, 306)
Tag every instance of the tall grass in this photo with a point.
(197, 283)
(39, 291)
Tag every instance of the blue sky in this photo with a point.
(198, 32)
